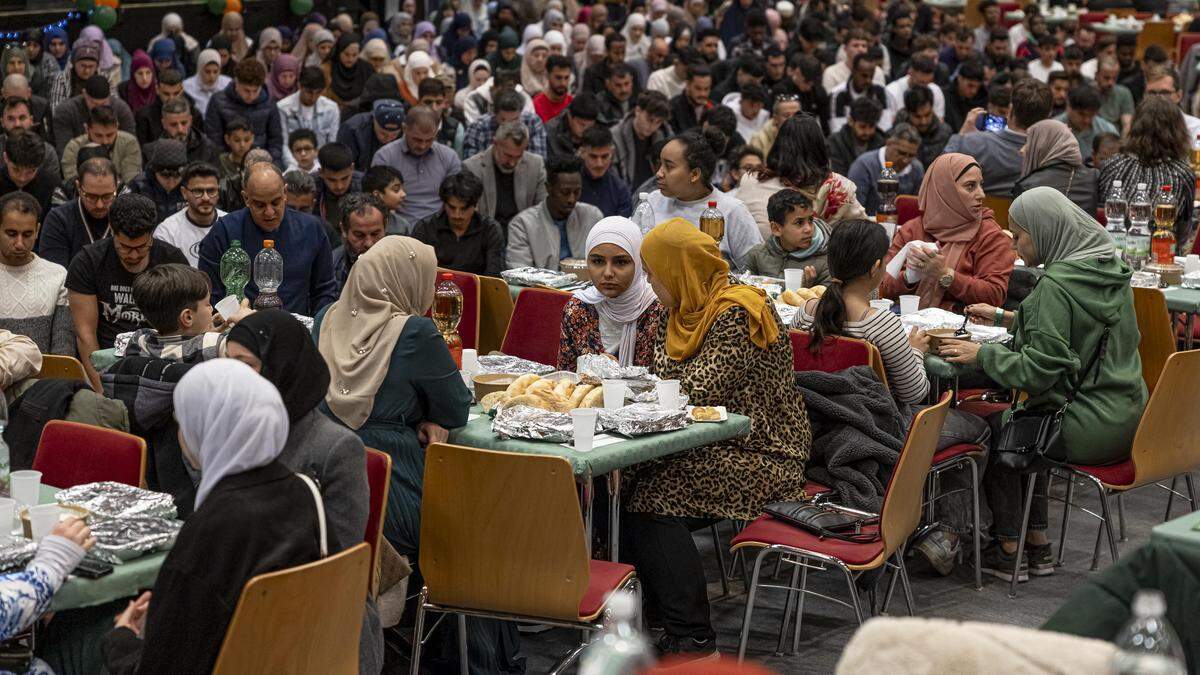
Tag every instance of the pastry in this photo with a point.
(792, 298)
(594, 398)
(580, 393)
(540, 385)
(564, 388)
(517, 388)
(704, 413)
(494, 399)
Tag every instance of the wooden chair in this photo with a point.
(533, 333)
(468, 325)
(1184, 44)
(1158, 341)
(304, 619)
(502, 536)
(495, 311)
(55, 367)
(898, 519)
(906, 208)
(379, 480)
(999, 207)
(71, 453)
(1161, 33)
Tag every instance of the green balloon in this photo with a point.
(301, 7)
(104, 17)
(216, 7)
(85, 6)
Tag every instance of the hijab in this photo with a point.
(424, 29)
(948, 215)
(232, 27)
(206, 57)
(231, 419)
(415, 60)
(531, 81)
(93, 33)
(689, 264)
(626, 308)
(399, 39)
(56, 33)
(136, 96)
(283, 63)
(1049, 142)
(375, 47)
(461, 47)
(347, 83)
(265, 37)
(636, 49)
(172, 25)
(389, 283)
(1060, 230)
(290, 359)
(507, 40)
(532, 32)
(450, 36)
(318, 37)
(165, 49)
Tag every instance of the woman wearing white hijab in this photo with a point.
(619, 314)
(417, 67)
(478, 73)
(172, 25)
(637, 43)
(208, 79)
(556, 42)
(252, 516)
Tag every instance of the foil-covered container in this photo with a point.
(787, 313)
(499, 363)
(108, 499)
(121, 343)
(602, 367)
(121, 539)
(535, 276)
(306, 320)
(773, 286)
(1144, 280)
(533, 424)
(651, 396)
(933, 318)
(1191, 280)
(640, 419)
(16, 552)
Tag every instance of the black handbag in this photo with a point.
(827, 522)
(1029, 435)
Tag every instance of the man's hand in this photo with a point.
(810, 276)
(429, 433)
(971, 120)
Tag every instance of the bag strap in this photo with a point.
(316, 493)
(1101, 349)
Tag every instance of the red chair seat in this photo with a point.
(769, 531)
(836, 354)
(954, 451)
(1119, 474)
(605, 577)
(813, 488)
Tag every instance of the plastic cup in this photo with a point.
(614, 394)
(8, 509)
(668, 394)
(909, 304)
(42, 519)
(26, 487)
(883, 305)
(1191, 264)
(228, 307)
(585, 428)
(470, 361)
(793, 279)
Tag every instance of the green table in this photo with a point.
(1181, 531)
(103, 358)
(606, 460)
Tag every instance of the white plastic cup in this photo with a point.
(42, 519)
(467, 377)
(909, 304)
(668, 394)
(228, 307)
(1191, 264)
(8, 509)
(470, 361)
(793, 279)
(585, 428)
(26, 487)
(614, 394)
(883, 304)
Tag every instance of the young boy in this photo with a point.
(303, 146)
(174, 299)
(387, 184)
(798, 240)
(239, 138)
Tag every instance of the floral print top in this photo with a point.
(581, 333)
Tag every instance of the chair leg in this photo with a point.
(1121, 515)
(462, 645)
(720, 558)
(853, 595)
(1108, 524)
(887, 596)
(1171, 498)
(800, 608)
(752, 589)
(903, 571)
(1187, 478)
(976, 534)
(1012, 587)
(418, 630)
(787, 610)
(1066, 523)
(1096, 549)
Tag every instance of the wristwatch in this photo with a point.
(946, 279)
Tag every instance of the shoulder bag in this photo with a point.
(316, 493)
(825, 521)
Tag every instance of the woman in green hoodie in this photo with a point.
(1056, 332)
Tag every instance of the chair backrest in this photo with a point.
(1186, 40)
(837, 353)
(1165, 444)
(495, 311)
(999, 207)
(1154, 323)
(71, 453)
(1161, 33)
(901, 510)
(379, 480)
(907, 208)
(55, 367)
(502, 532)
(533, 332)
(468, 325)
(304, 619)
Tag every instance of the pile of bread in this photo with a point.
(557, 395)
(798, 297)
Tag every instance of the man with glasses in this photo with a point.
(165, 160)
(100, 278)
(76, 223)
(1164, 81)
(187, 227)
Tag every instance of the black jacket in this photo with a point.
(41, 187)
(839, 107)
(1079, 185)
(933, 141)
(63, 236)
(815, 101)
(683, 114)
(149, 121)
(167, 203)
(844, 149)
(957, 107)
(262, 115)
(45, 400)
(358, 134)
(558, 137)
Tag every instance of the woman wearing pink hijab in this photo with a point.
(285, 72)
(973, 258)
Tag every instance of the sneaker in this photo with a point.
(941, 553)
(1000, 564)
(1039, 559)
(686, 650)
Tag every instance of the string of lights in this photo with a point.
(19, 35)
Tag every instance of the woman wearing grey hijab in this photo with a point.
(1051, 158)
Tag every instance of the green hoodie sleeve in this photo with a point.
(1042, 355)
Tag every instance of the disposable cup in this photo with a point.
(26, 486)
(909, 304)
(585, 428)
(8, 509)
(470, 361)
(668, 394)
(1191, 264)
(42, 519)
(793, 279)
(228, 307)
(882, 305)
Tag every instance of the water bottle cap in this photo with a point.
(887, 165)
(1117, 183)
(643, 195)
(1141, 186)
(712, 205)
(268, 243)
(1166, 188)
(1149, 602)
(236, 243)
(448, 276)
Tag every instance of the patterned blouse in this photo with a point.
(581, 333)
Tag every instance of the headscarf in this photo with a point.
(347, 83)
(172, 25)
(415, 60)
(947, 214)
(135, 96)
(283, 63)
(289, 358)
(233, 27)
(205, 57)
(1048, 142)
(689, 264)
(319, 36)
(532, 32)
(424, 29)
(389, 283)
(265, 37)
(398, 39)
(507, 40)
(636, 49)
(461, 75)
(343, 22)
(93, 33)
(18, 51)
(374, 47)
(531, 81)
(450, 36)
(555, 38)
(165, 49)
(302, 45)
(1060, 230)
(550, 19)
(626, 308)
(53, 33)
(231, 419)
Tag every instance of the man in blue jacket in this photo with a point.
(248, 99)
(308, 283)
(602, 187)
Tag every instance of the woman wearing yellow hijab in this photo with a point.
(726, 345)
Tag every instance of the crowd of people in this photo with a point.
(369, 151)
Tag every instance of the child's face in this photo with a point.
(239, 142)
(305, 152)
(797, 232)
(393, 196)
(201, 319)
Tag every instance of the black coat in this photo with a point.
(358, 134)
(683, 114)
(843, 149)
(1079, 185)
(149, 121)
(63, 235)
(262, 520)
(262, 115)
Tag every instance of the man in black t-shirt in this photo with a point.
(100, 278)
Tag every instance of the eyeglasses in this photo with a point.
(204, 192)
(98, 199)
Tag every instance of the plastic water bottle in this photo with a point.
(888, 188)
(620, 649)
(5, 468)
(1115, 208)
(268, 275)
(643, 215)
(235, 270)
(1148, 645)
(1137, 240)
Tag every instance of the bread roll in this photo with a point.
(531, 400)
(791, 298)
(517, 388)
(564, 388)
(594, 398)
(818, 290)
(540, 385)
(580, 393)
(493, 399)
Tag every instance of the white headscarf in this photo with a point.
(532, 32)
(635, 49)
(554, 38)
(232, 420)
(416, 60)
(626, 308)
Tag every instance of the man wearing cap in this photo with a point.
(421, 161)
(71, 115)
(365, 133)
(165, 160)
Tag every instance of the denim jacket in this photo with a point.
(325, 121)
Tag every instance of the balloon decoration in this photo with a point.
(108, 3)
(215, 7)
(104, 17)
(233, 6)
(85, 6)
(301, 7)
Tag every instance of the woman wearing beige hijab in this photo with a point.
(232, 27)
(1051, 157)
(534, 77)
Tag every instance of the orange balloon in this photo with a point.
(108, 3)
(233, 6)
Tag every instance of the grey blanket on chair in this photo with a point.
(857, 434)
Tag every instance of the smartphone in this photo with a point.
(92, 569)
(990, 122)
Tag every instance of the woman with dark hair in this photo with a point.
(1051, 157)
(799, 159)
(685, 189)
(1156, 153)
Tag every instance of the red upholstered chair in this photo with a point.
(70, 454)
(1183, 44)
(379, 474)
(906, 208)
(534, 331)
(1093, 17)
(468, 326)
